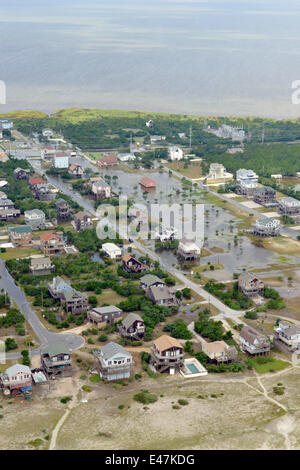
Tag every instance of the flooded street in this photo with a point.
(222, 242)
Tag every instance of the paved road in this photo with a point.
(46, 337)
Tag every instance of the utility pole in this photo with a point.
(191, 137)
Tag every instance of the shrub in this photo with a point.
(95, 378)
(183, 402)
(102, 338)
(66, 399)
(145, 397)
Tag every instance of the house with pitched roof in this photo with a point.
(108, 160)
(41, 266)
(21, 236)
(250, 284)
(161, 295)
(219, 351)
(287, 336)
(63, 209)
(147, 183)
(75, 170)
(253, 342)
(132, 265)
(21, 174)
(16, 379)
(52, 243)
(35, 218)
(167, 355)
(114, 362)
(82, 221)
(56, 360)
(149, 280)
(132, 327)
(73, 301)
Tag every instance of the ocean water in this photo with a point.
(225, 57)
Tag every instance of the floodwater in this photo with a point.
(220, 226)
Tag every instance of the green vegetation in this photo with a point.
(66, 399)
(211, 329)
(178, 329)
(183, 402)
(10, 344)
(232, 297)
(145, 397)
(263, 364)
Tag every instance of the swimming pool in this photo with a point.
(193, 368)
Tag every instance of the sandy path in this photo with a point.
(74, 402)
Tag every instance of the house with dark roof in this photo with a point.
(265, 196)
(56, 360)
(114, 362)
(132, 327)
(104, 315)
(132, 265)
(82, 221)
(21, 174)
(21, 236)
(161, 295)
(63, 209)
(167, 355)
(253, 342)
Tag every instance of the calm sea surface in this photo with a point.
(194, 56)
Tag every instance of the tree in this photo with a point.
(10, 344)
(93, 301)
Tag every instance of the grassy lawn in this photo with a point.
(193, 170)
(111, 297)
(272, 365)
(14, 253)
(206, 267)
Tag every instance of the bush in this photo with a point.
(183, 402)
(10, 344)
(102, 338)
(66, 399)
(251, 315)
(95, 378)
(145, 397)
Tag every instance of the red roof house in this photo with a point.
(34, 181)
(147, 183)
(108, 160)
